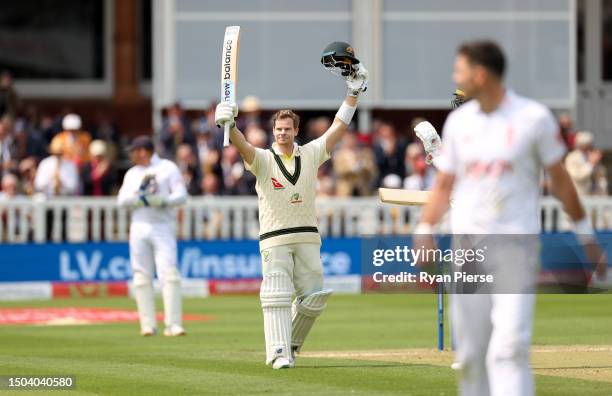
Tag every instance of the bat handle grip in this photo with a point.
(226, 134)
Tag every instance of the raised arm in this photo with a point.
(356, 83)
(339, 126)
(227, 112)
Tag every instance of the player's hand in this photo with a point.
(357, 82)
(423, 238)
(150, 201)
(430, 138)
(598, 259)
(156, 201)
(225, 112)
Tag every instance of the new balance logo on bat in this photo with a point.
(277, 185)
(226, 96)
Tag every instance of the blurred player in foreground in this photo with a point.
(495, 147)
(290, 244)
(153, 187)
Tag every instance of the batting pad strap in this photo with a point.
(313, 304)
(345, 113)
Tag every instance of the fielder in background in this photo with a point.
(290, 244)
(152, 188)
(494, 150)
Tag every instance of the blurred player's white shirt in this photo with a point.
(497, 159)
(168, 184)
(286, 188)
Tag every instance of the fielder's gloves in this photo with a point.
(226, 112)
(152, 201)
(430, 138)
(357, 81)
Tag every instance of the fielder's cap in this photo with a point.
(71, 122)
(142, 141)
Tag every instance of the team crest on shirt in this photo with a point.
(277, 185)
(296, 198)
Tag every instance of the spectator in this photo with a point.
(188, 164)
(8, 147)
(421, 175)
(31, 141)
(9, 100)
(98, 175)
(27, 175)
(74, 141)
(211, 185)
(10, 187)
(389, 153)
(354, 167)
(566, 130)
(582, 163)
(250, 113)
(106, 130)
(325, 187)
(317, 127)
(207, 151)
(176, 130)
(57, 175)
(234, 182)
(256, 136)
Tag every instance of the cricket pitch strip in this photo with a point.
(587, 362)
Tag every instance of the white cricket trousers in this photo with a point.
(152, 249)
(300, 261)
(493, 334)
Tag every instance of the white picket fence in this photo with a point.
(81, 219)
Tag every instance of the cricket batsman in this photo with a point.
(289, 241)
(494, 149)
(153, 187)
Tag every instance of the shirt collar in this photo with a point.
(508, 98)
(296, 150)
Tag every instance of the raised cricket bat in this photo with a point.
(229, 71)
(403, 197)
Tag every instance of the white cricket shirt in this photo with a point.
(497, 159)
(287, 190)
(168, 183)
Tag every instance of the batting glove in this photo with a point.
(430, 138)
(225, 112)
(358, 81)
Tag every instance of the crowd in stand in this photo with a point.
(56, 155)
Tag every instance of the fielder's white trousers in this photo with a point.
(300, 261)
(493, 334)
(152, 248)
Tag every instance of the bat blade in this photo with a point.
(229, 71)
(403, 197)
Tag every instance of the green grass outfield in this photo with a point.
(225, 355)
